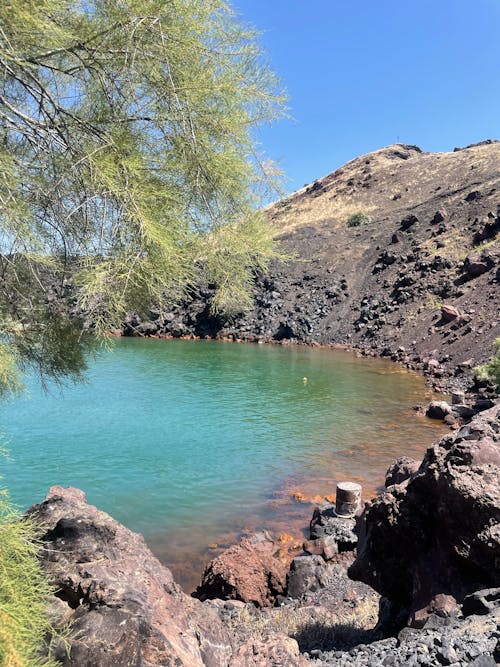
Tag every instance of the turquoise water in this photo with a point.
(183, 440)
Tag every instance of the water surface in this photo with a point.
(189, 442)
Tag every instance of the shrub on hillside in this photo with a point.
(491, 370)
(358, 218)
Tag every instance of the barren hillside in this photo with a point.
(427, 237)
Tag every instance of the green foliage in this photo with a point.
(358, 218)
(23, 591)
(128, 168)
(128, 171)
(491, 370)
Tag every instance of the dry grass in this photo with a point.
(312, 627)
(416, 181)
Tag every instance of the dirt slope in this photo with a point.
(428, 238)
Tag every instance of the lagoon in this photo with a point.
(194, 442)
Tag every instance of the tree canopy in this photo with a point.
(128, 166)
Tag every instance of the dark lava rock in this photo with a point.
(439, 216)
(121, 605)
(481, 602)
(458, 642)
(307, 575)
(440, 533)
(438, 410)
(401, 470)
(476, 268)
(408, 221)
(325, 522)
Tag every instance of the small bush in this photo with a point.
(23, 592)
(358, 218)
(491, 370)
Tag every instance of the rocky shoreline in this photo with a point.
(416, 282)
(414, 578)
(428, 549)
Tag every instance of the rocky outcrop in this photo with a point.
(248, 571)
(438, 533)
(401, 470)
(331, 529)
(122, 605)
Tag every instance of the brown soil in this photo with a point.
(428, 238)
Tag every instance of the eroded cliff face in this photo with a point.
(428, 238)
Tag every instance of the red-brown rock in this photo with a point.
(123, 606)
(247, 571)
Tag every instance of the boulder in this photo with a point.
(276, 650)
(121, 605)
(440, 533)
(145, 329)
(449, 313)
(458, 397)
(326, 547)
(408, 221)
(307, 575)
(248, 571)
(438, 410)
(476, 268)
(401, 470)
(439, 216)
(325, 522)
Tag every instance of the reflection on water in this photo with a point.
(193, 443)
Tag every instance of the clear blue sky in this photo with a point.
(362, 74)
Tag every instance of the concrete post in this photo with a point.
(348, 499)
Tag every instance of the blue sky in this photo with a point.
(362, 74)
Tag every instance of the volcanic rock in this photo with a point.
(247, 571)
(122, 605)
(401, 470)
(279, 650)
(307, 574)
(325, 522)
(439, 533)
(438, 409)
(449, 313)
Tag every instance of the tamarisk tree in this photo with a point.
(127, 165)
(127, 172)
